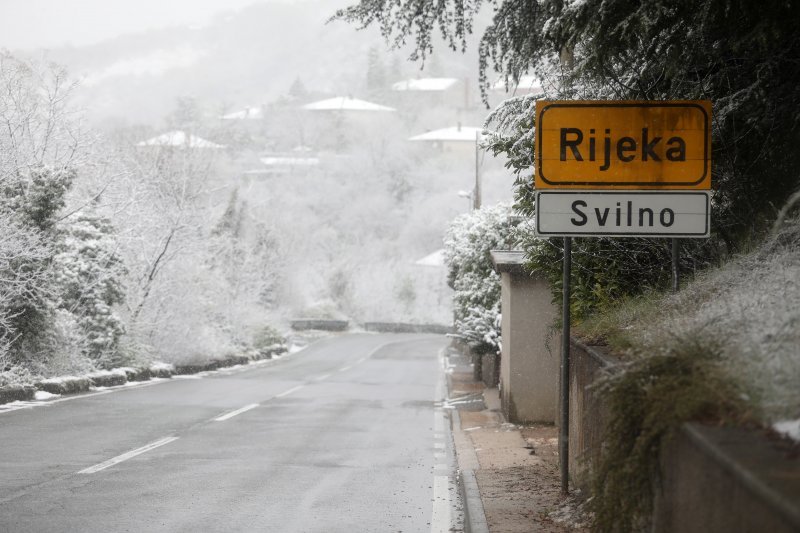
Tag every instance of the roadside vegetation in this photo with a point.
(110, 259)
(476, 297)
(725, 348)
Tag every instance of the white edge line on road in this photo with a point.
(288, 392)
(127, 455)
(239, 411)
(322, 378)
(441, 517)
(345, 368)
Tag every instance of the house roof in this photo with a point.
(425, 84)
(456, 133)
(345, 103)
(179, 139)
(526, 84)
(289, 161)
(435, 259)
(248, 113)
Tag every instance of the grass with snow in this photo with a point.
(726, 348)
(749, 309)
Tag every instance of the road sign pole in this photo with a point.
(675, 263)
(563, 437)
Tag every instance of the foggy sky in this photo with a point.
(26, 24)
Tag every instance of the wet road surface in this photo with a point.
(347, 435)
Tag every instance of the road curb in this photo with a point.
(474, 515)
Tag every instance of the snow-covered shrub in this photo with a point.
(66, 348)
(467, 246)
(31, 202)
(40, 149)
(89, 274)
(266, 339)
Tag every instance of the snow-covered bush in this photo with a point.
(89, 274)
(31, 201)
(467, 246)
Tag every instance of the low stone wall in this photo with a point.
(714, 479)
(16, 393)
(404, 327)
(120, 376)
(305, 324)
(727, 479)
(586, 411)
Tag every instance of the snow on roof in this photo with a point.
(289, 161)
(249, 113)
(456, 133)
(526, 83)
(436, 259)
(179, 139)
(344, 103)
(425, 84)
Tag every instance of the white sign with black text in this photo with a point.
(623, 214)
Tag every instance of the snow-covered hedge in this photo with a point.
(467, 246)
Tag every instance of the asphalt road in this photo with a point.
(347, 435)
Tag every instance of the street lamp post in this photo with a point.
(476, 197)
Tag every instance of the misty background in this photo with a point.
(236, 204)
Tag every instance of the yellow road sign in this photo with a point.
(623, 145)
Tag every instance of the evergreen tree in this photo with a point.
(89, 273)
(34, 201)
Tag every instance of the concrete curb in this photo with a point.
(474, 516)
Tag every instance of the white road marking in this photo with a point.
(288, 392)
(323, 377)
(438, 421)
(345, 368)
(128, 455)
(440, 519)
(239, 411)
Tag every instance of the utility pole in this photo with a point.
(476, 195)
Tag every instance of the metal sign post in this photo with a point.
(563, 436)
(619, 169)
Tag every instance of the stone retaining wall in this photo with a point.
(715, 479)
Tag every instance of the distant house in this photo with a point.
(180, 139)
(433, 85)
(338, 123)
(435, 259)
(248, 113)
(458, 138)
(346, 104)
(420, 92)
(300, 159)
(526, 85)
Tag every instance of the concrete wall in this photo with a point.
(715, 479)
(727, 479)
(586, 412)
(529, 361)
